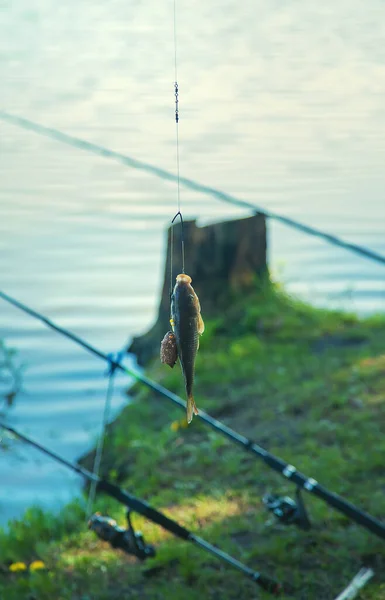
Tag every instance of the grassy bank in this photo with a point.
(309, 386)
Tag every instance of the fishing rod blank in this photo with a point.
(143, 508)
(133, 163)
(286, 470)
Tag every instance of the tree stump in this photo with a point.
(219, 257)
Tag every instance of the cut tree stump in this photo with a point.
(218, 257)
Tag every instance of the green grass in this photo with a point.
(308, 385)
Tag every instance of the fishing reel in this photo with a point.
(130, 541)
(288, 511)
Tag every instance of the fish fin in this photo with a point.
(191, 408)
(201, 325)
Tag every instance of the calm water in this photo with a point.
(282, 105)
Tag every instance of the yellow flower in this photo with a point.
(180, 424)
(17, 566)
(36, 565)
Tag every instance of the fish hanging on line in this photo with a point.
(187, 324)
(183, 341)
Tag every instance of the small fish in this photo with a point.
(187, 325)
(168, 350)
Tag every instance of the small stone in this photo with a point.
(357, 402)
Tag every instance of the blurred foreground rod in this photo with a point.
(146, 510)
(133, 163)
(356, 585)
(286, 470)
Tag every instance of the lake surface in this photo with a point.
(280, 104)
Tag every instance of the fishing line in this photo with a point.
(171, 252)
(288, 471)
(102, 435)
(195, 186)
(176, 93)
(179, 213)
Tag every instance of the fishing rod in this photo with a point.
(103, 526)
(303, 482)
(133, 163)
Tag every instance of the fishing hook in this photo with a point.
(179, 214)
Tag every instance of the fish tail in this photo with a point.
(191, 408)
